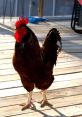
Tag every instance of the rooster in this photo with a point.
(33, 63)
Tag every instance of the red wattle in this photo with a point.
(19, 34)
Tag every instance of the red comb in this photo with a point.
(21, 21)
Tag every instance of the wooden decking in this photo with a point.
(65, 94)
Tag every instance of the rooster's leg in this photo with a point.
(44, 100)
(29, 104)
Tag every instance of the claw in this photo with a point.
(27, 106)
(45, 103)
(29, 103)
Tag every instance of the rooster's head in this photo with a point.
(20, 29)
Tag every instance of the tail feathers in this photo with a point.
(52, 46)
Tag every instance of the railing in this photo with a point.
(53, 9)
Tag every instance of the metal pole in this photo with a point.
(54, 2)
(16, 4)
(30, 7)
(4, 9)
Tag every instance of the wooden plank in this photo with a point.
(59, 65)
(71, 37)
(64, 77)
(71, 110)
(68, 103)
(9, 54)
(6, 66)
(51, 94)
(56, 71)
(72, 45)
(64, 45)
(67, 77)
(77, 41)
(73, 48)
(4, 78)
(64, 42)
(74, 111)
(6, 61)
(7, 40)
(62, 59)
(80, 115)
(64, 37)
(69, 64)
(14, 41)
(6, 36)
(68, 70)
(72, 42)
(7, 72)
(14, 87)
(7, 46)
(6, 54)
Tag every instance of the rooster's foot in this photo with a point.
(27, 106)
(45, 103)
